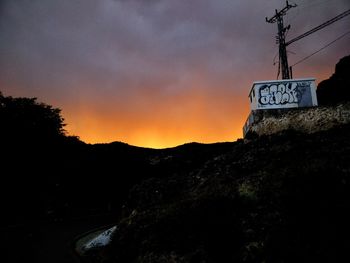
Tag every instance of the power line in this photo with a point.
(304, 6)
(327, 23)
(319, 50)
(281, 38)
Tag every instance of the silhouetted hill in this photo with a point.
(336, 89)
(279, 197)
(52, 181)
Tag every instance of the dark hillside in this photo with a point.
(282, 198)
(50, 176)
(278, 197)
(336, 89)
(55, 185)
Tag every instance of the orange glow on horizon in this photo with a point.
(151, 119)
(193, 116)
(155, 75)
(144, 137)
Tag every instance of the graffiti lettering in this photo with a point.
(279, 94)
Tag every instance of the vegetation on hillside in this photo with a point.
(281, 198)
(277, 198)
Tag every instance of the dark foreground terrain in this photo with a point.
(277, 198)
(283, 198)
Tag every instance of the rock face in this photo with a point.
(336, 89)
(306, 120)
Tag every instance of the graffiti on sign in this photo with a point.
(282, 93)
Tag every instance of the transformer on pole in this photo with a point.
(281, 38)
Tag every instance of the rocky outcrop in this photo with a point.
(307, 120)
(336, 89)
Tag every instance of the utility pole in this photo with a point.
(281, 38)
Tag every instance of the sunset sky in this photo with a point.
(157, 73)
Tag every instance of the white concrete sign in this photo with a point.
(277, 94)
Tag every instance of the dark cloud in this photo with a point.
(140, 39)
(108, 52)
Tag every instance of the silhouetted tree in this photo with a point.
(31, 152)
(24, 119)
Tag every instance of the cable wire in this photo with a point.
(331, 21)
(314, 53)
